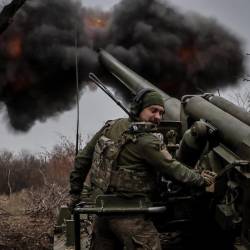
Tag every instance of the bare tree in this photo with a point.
(8, 13)
(242, 99)
(9, 185)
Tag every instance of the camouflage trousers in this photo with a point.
(125, 232)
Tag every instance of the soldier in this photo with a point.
(124, 161)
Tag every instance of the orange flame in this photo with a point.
(14, 47)
(96, 22)
(187, 55)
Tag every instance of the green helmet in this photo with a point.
(145, 98)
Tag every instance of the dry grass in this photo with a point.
(14, 204)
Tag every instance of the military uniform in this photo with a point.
(133, 171)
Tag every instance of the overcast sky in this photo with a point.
(95, 107)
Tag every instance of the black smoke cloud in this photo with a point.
(179, 53)
(37, 54)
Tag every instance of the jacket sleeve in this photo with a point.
(82, 165)
(150, 149)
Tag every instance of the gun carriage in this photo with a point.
(204, 132)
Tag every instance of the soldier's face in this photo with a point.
(152, 114)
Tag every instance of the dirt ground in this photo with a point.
(19, 230)
(24, 232)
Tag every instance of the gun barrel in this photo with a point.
(231, 108)
(121, 210)
(135, 82)
(233, 132)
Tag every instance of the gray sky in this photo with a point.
(95, 106)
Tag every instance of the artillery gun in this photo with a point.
(215, 135)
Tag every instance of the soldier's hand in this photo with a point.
(210, 189)
(209, 177)
(74, 200)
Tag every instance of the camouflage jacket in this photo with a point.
(142, 154)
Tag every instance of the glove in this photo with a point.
(74, 200)
(209, 177)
